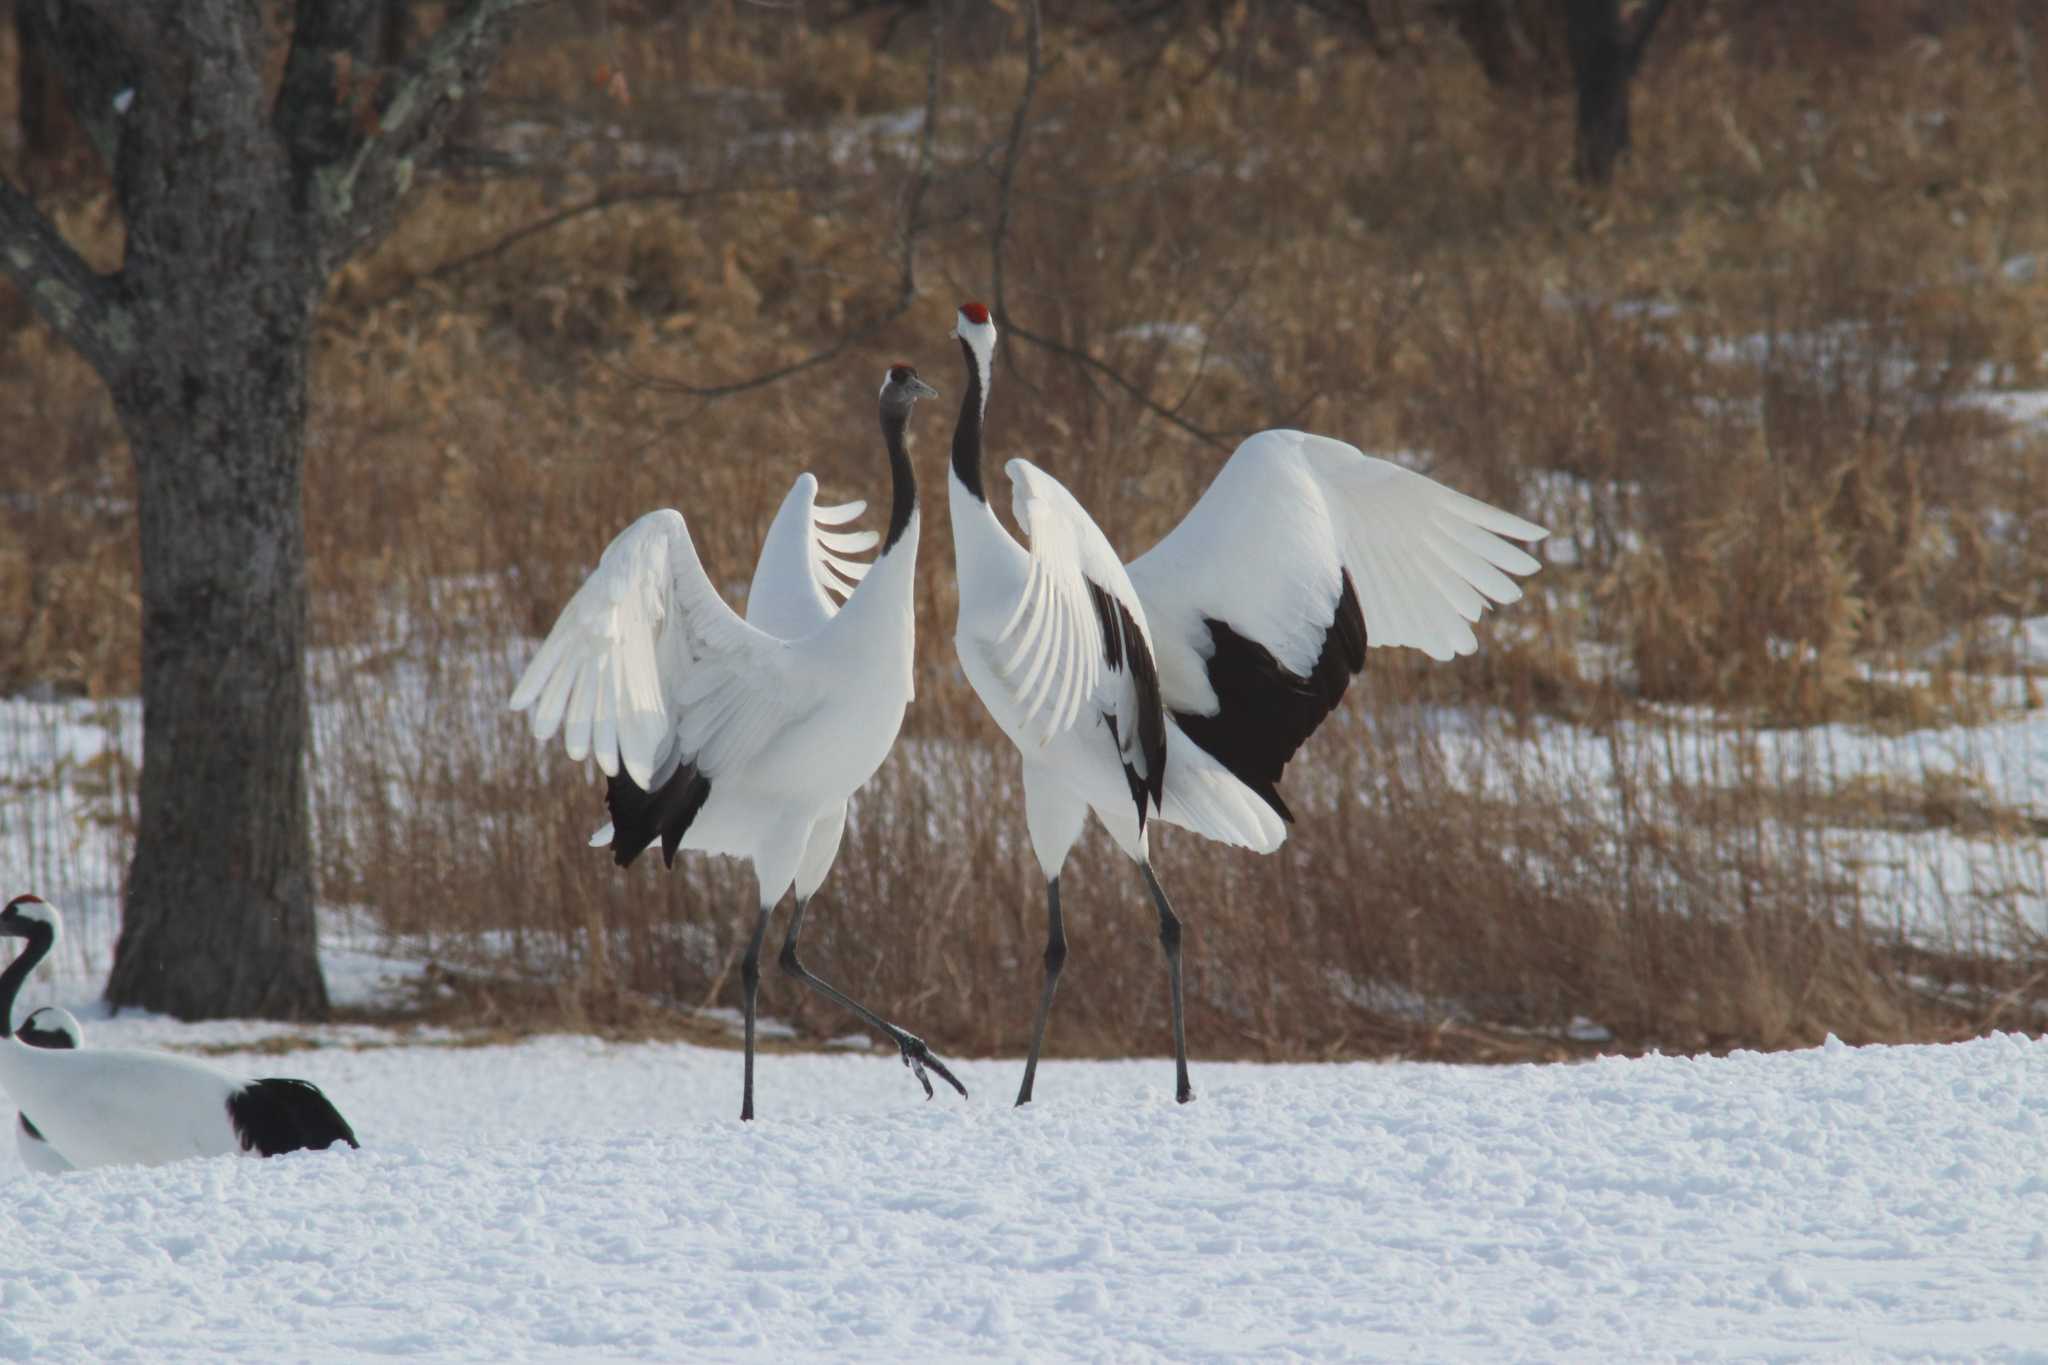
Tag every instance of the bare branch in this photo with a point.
(845, 343)
(90, 47)
(356, 195)
(329, 73)
(913, 207)
(1006, 185)
(1356, 14)
(80, 305)
(1645, 25)
(913, 228)
(1219, 439)
(609, 199)
(1006, 179)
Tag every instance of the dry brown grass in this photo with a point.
(1739, 388)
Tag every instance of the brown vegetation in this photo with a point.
(1741, 388)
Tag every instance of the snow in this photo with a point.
(2024, 408)
(570, 1199)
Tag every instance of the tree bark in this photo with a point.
(224, 275)
(236, 213)
(219, 918)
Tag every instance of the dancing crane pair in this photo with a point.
(1174, 688)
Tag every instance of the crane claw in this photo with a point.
(917, 1057)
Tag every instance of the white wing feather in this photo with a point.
(1050, 653)
(804, 571)
(1265, 548)
(647, 666)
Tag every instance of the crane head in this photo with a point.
(901, 387)
(28, 917)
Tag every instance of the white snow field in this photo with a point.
(568, 1199)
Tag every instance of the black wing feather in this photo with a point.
(1266, 711)
(1125, 650)
(640, 817)
(279, 1115)
(54, 1039)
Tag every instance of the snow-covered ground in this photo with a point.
(569, 1199)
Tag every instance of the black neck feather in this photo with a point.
(902, 476)
(967, 431)
(17, 972)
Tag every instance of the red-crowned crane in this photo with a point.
(125, 1106)
(51, 1026)
(1177, 687)
(744, 737)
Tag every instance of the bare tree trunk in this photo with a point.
(1600, 74)
(1521, 44)
(220, 899)
(238, 207)
(1606, 54)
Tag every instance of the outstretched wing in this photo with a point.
(804, 572)
(1077, 645)
(647, 667)
(1302, 553)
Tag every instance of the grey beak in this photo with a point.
(919, 389)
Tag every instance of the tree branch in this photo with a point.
(1639, 35)
(1355, 14)
(90, 47)
(78, 303)
(329, 73)
(1220, 440)
(603, 202)
(355, 195)
(1006, 184)
(913, 228)
(1006, 179)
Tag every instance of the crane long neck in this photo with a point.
(967, 431)
(17, 972)
(903, 478)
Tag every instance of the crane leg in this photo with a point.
(916, 1055)
(750, 983)
(1055, 958)
(1169, 939)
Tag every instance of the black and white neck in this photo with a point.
(977, 336)
(901, 388)
(51, 1027)
(28, 918)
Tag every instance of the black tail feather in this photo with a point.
(282, 1115)
(640, 817)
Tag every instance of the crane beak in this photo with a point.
(919, 389)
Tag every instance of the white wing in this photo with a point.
(1077, 637)
(804, 573)
(648, 667)
(1266, 548)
